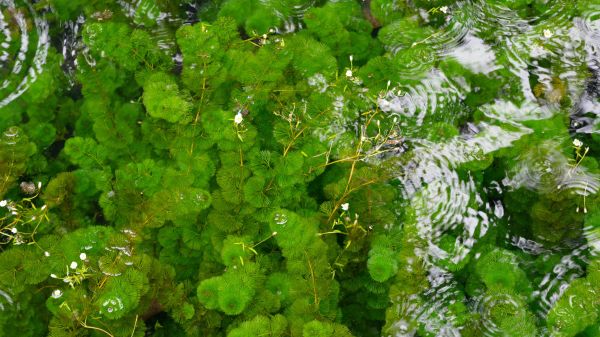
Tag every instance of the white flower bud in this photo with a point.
(238, 118)
(46, 254)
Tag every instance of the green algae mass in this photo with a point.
(301, 168)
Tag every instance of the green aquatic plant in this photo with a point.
(246, 168)
(500, 269)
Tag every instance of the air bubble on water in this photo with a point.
(124, 250)
(11, 136)
(106, 271)
(201, 198)
(280, 219)
(113, 304)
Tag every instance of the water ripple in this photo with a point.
(447, 202)
(554, 283)
(24, 43)
(417, 102)
(5, 300)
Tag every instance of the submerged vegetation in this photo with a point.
(301, 168)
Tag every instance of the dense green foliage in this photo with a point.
(244, 180)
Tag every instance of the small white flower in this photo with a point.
(46, 254)
(548, 33)
(57, 293)
(444, 9)
(14, 230)
(53, 276)
(349, 73)
(73, 265)
(3, 203)
(351, 58)
(238, 118)
(345, 206)
(274, 233)
(82, 256)
(577, 143)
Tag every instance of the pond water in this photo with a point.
(509, 193)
